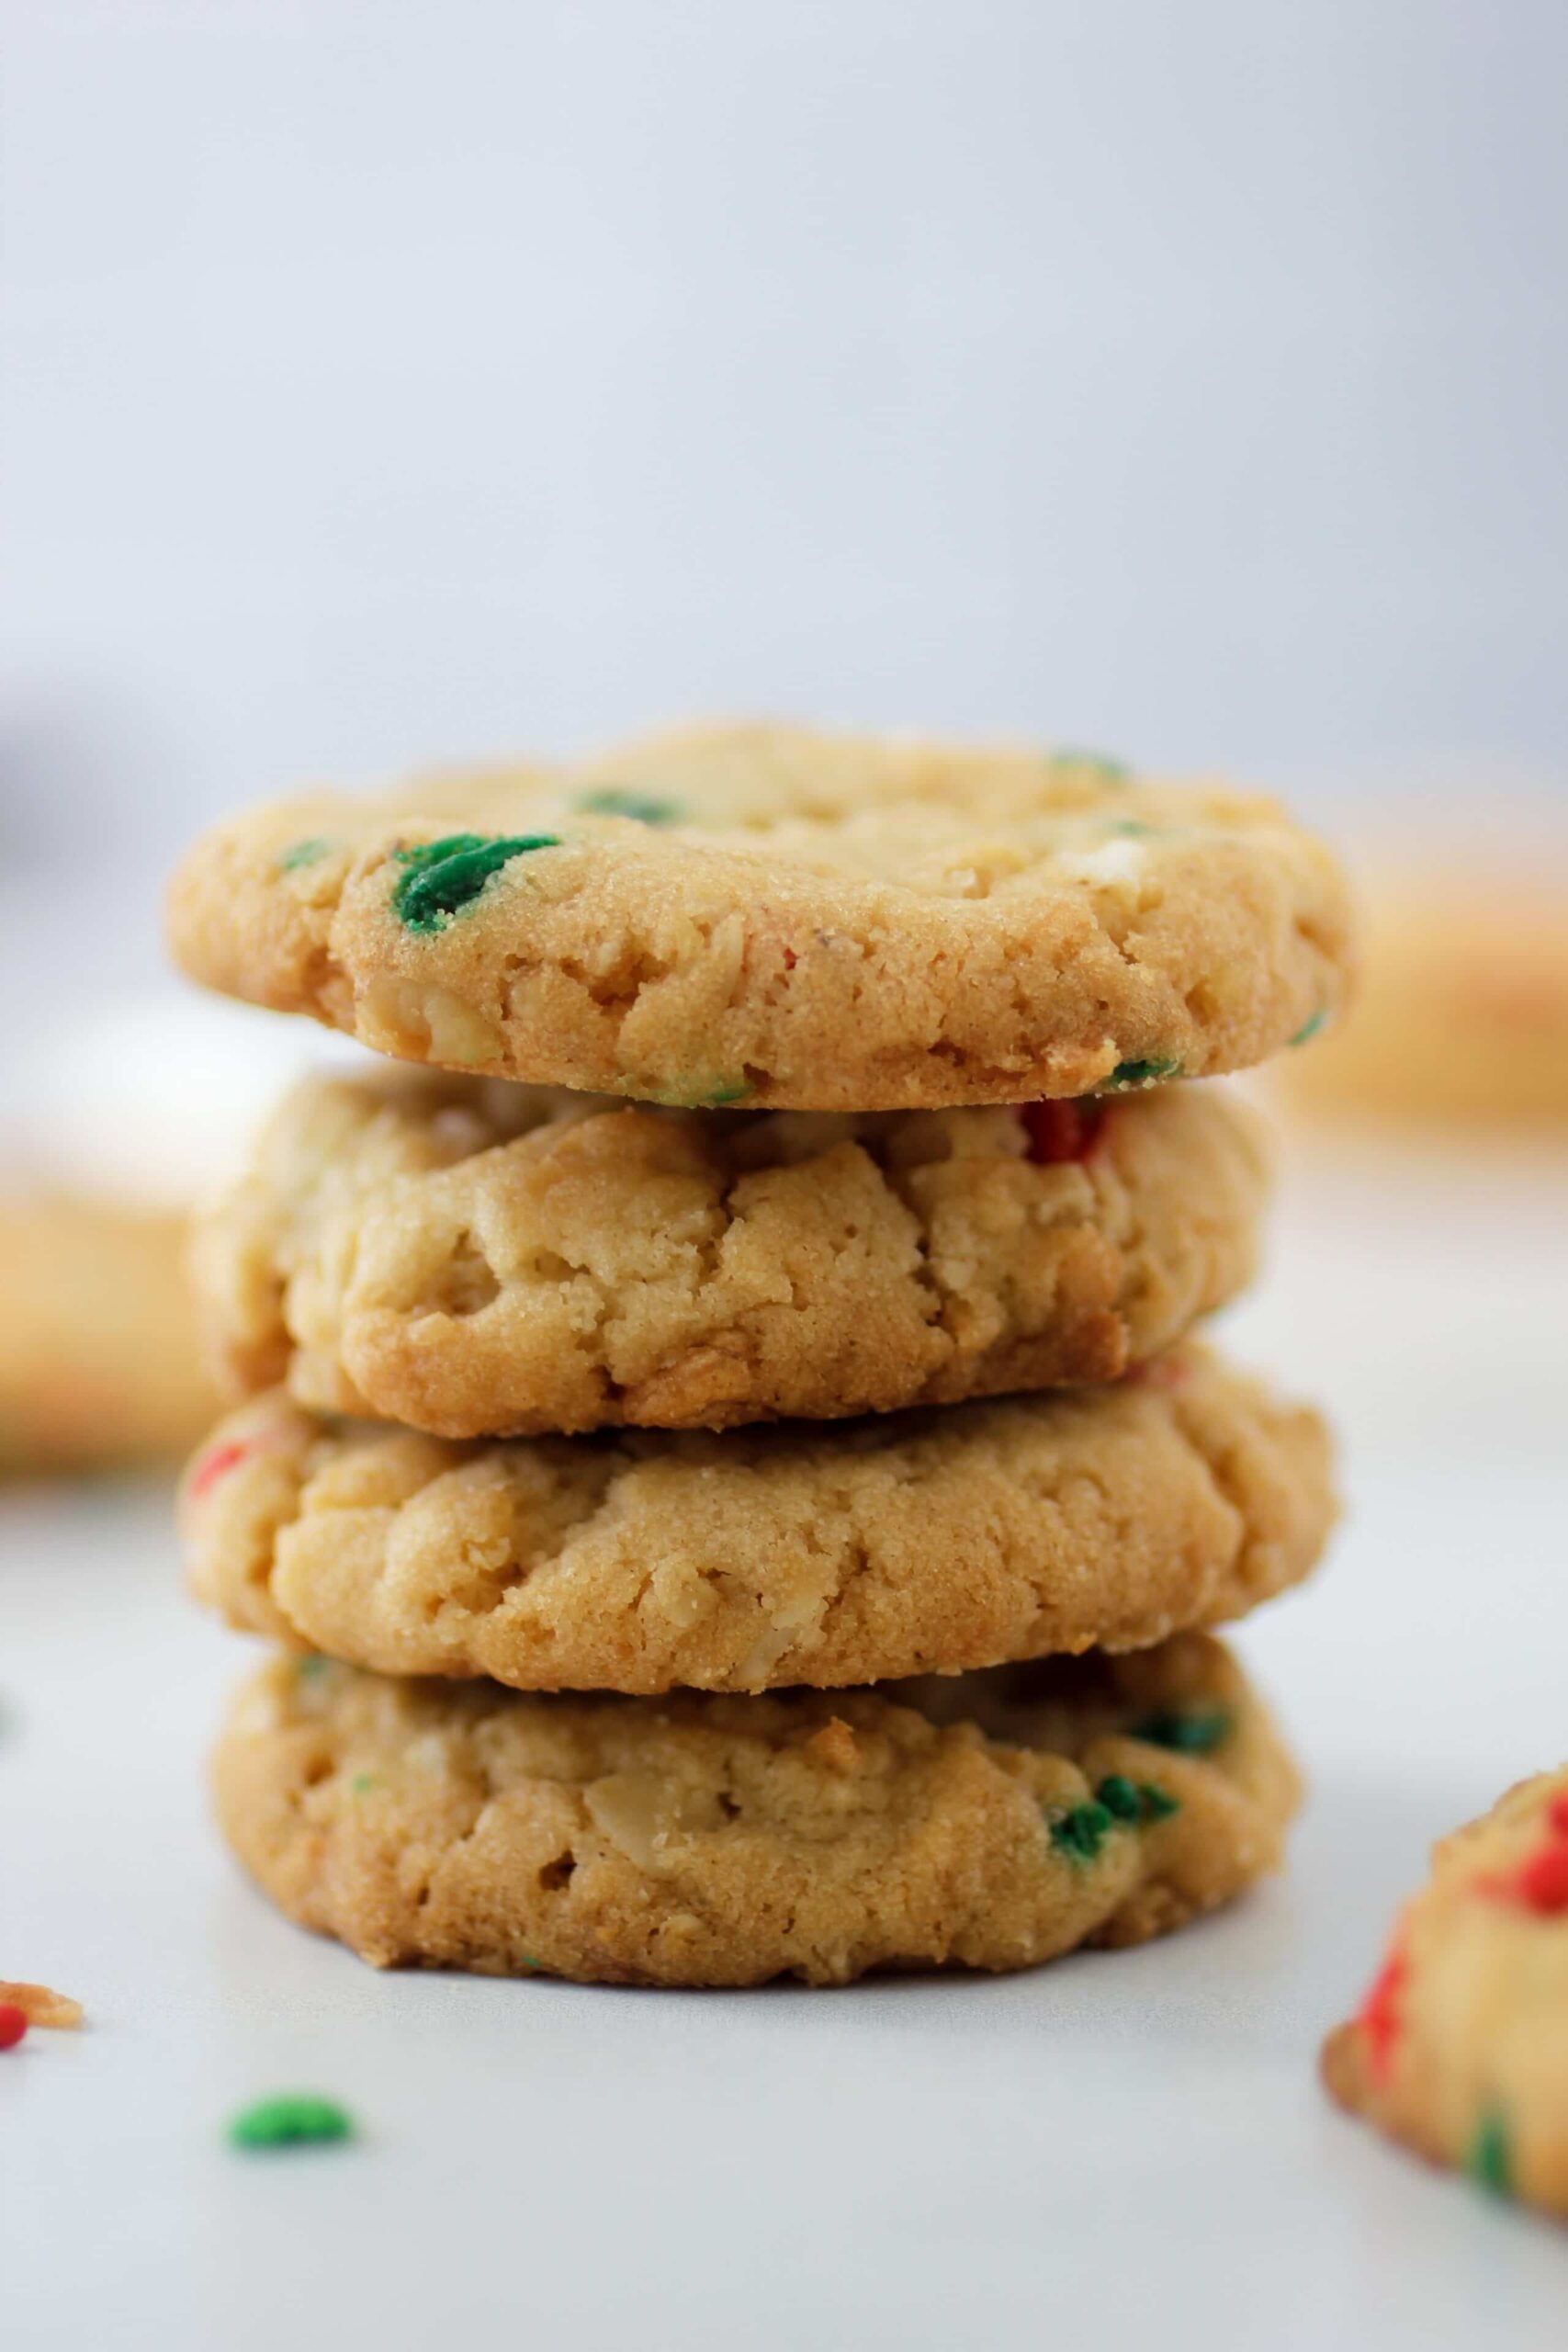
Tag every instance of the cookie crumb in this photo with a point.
(40, 2006)
(834, 1745)
(291, 2119)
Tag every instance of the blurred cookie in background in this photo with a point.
(1461, 1019)
(116, 1123)
(99, 1357)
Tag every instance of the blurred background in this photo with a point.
(388, 385)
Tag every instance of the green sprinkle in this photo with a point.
(1080, 1833)
(444, 876)
(1139, 1800)
(1134, 827)
(363, 1782)
(1149, 1073)
(310, 1669)
(295, 2119)
(1310, 1028)
(1118, 1797)
(304, 853)
(1189, 1731)
(618, 800)
(1107, 771)
(703, 1094)
(1486, 2158)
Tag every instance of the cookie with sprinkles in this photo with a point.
(640, 1560)
(477, 1259)
(785, 919)
(1460, 2048)
(988, 1821)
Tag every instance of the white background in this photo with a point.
(382, 382)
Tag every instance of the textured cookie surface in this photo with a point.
(991, 1821)
(473, 1258)
(1460, 2047)
(904, 1544)
(99, 1359)
(785, 919)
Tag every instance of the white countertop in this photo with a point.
(1118, 2150)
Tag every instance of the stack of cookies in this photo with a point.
(724, 1470)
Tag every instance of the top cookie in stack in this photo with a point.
(897, 1021)
(783, 920)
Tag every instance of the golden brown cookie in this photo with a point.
(473, 1258)
(784, 918)
(1460, 2047)
(989, 1822)
(99, 1361)
(906, 1544)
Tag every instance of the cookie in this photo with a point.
(1460, 2047)
(906, 1544)
(1462, 1021)
(784, 918)
(990, 1822)
(99, 1359)
(472, 1258)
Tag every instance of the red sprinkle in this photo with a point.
(1059, 1132)
(1541, 1884)
(215, 1466)
(1379, 2020)
(13, 2025)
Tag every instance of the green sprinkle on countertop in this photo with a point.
(292, 2120)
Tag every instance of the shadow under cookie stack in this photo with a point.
(760, 1511)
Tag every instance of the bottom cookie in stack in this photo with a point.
(989, 1820)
